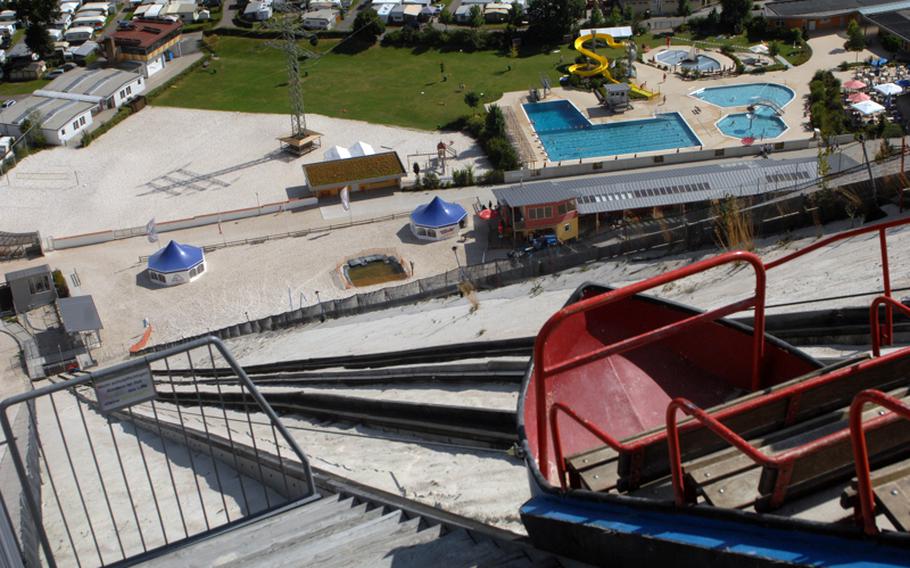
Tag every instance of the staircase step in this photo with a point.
(383, 551)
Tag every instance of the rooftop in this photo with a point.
(823, 8)
(145, 33)
(55, 113)
(897, 22)
(27, 272)
(79, 314)
(353, 169)
(660, 187)
(96, 83)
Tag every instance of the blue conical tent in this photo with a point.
(176, 257)
(438, 213)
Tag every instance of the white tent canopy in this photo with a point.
(760, 48)
(888, 89)
(617, 33)
(361, 148)
(868, 107)
(337, 153)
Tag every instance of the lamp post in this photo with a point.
(321, 307)
(458, 262)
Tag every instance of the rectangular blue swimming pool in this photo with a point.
(566, 134)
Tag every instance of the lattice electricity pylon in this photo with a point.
(288, 23)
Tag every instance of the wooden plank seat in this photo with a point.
(607, 469)
(891, 485)
(821, 454)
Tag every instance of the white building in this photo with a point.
(60, 119)
(320, 20)
(383, 10)
(79, 34)
(186, 11)
(258, 11)
(105, 88)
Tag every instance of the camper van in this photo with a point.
(103, 7)
(94, 22)
(79, 34)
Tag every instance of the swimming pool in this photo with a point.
(743, 95)
(680, 57)
(761, 125)
(566, 134)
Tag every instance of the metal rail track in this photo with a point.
(518, 347)
(481, 427)
(512, 372)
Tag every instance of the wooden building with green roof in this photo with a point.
(362, 173)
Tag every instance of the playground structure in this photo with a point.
(602, 64)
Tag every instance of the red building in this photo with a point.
(151, 43)
(534, 210)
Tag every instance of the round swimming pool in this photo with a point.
(744, 95)
(681, 58)
(760, 125)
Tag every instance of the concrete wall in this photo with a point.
(59, 243)
(593, 166)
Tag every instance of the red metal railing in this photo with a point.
(542, 371)
(875, 328)
(861, 452)
(881, 229)
(586, 424)
(783, 462)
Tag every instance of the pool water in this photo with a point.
(678, 57)
(744, 95)
(567, 135)
(764, 124)
(375, 269)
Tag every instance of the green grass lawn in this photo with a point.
(381, 85)
(21, 88)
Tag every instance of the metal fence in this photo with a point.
(132, 465)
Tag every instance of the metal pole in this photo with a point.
(862, 141)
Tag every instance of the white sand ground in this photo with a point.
(170, 163)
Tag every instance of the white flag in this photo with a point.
(151, 231)
(346, 198)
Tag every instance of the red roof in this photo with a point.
(146, 33)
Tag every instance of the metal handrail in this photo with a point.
(866, 495)
(89, 379)
(542, 371)
(875, 328)
(881, 228)
(587, 425)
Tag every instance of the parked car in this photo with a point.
(8, 103)
(54, 74)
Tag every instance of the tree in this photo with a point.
(516, 14)
(472, 99)
(476, 19)
(495, 123)
(683, 8)
(369, 26)
(856, 39)
(774, 49)
(445, 17)
(37, 16)
(553, 19)
(734, 14)
(795, 36)
(891, 43)
(615, 17)
(597, 17)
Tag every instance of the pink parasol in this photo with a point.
(854, 84)
(858, 97)
(748, 141)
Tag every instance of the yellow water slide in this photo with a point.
(602, 65)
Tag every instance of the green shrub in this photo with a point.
(63, 290)
(430, 181)
(463, 177)
(501, 154)
(493, 177)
